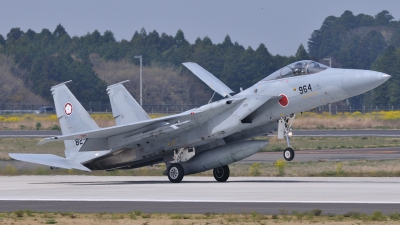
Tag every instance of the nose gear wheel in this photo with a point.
(288, 154)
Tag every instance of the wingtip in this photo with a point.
(47, 140)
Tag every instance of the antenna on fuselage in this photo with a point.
(211, 98)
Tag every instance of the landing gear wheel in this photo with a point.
(221, 174)
(288, 154)
(175, 173)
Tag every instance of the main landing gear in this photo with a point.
(221, 174)
(285, 130)
(175, 173)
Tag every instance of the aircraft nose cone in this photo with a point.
(386, 77)
(356, 82)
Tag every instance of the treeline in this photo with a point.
(362, 42)
(353, 41)
(54, 57)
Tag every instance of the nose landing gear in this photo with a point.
(288, 154)
(285, 131)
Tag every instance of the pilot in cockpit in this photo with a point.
(299, 69)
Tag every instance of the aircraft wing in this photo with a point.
(168, 124)
(213, 82)
(49, 160)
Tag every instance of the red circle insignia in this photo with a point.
(284, 101)
(68, 108)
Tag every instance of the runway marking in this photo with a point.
(195, 201)
(22, 136)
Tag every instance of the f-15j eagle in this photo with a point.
(209, 137)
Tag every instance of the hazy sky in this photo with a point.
(280, 24)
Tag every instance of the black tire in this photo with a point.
(175, 173)
(221, 174)
(288, 154)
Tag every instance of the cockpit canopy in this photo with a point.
(298, 68)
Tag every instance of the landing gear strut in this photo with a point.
(285, 130)
(221, 174)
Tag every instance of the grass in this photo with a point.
(50, 122)
(307, 120)
(314, 216)
(291, 169)
(29, 145)
(317, 143)
(355, 120)
(360, 168)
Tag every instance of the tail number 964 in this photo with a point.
(304, 89)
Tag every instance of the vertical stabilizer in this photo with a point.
(72, 116)
(124, 107)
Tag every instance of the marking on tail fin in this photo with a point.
(68, 108)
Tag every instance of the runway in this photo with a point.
(300, 133)
(203, 194)
(198, 194)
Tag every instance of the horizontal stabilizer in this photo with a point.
(213, 82)
(49, 160)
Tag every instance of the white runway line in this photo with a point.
(194, 201)
(202, 189)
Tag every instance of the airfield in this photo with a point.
(198, 194)
(300, 133)
(203, 194)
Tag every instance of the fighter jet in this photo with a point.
(206, 138)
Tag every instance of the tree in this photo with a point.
(301, 53)
(180, 39)
(207, 41)
(14, 34)
(30, 34)
(108, 37)
(387, 93)
(314, 42)
(383, 18)
(166, 42)
(227, 43)
(366, 20)
(59, 31)
(369, 48)
(347, 20)
(265, 63)
(2, 40)
(96, 39)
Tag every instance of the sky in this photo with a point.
(282, 25)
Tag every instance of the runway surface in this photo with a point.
(300, 133)
(198, 194)
(203, 194)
